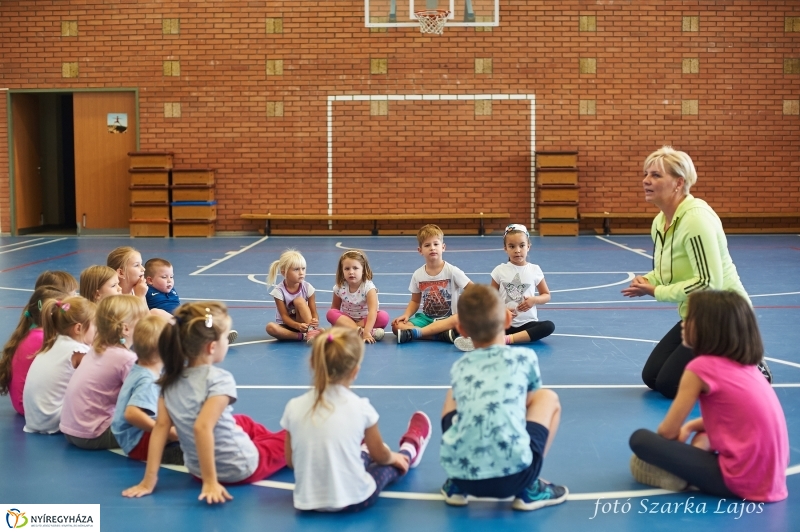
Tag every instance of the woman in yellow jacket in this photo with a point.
(690, 252)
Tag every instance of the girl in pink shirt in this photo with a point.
(25, 341)
(740, 446)
(93, 389)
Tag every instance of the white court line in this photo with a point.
(418, 496)
(410, 274)
(629, 278)
(778, 294)
(21, 242)
(228, 256)
(447, 386)
(629, 301)
(16, 289)
(779, 361)
(32, 245)
(254, 342)
(637, 251)
(606, 337)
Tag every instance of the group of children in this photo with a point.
(169, 402)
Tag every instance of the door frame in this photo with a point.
(9, 114)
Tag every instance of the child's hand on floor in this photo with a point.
(139, 490)
(214, 493)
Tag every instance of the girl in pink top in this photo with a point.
(740, 446)
(93, 389)
(25, 341)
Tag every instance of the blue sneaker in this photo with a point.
(540, 494)
(453, 494)
(404, 336)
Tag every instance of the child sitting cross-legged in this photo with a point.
(137, 404)
(497, 422)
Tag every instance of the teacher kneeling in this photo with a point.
(690, 252)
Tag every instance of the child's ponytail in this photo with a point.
(60, 315)
(196, 325)
(113, 313)
(334, 355)
(30, 319)
(288, 259)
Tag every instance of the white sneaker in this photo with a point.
(464, 343)
(378, 334)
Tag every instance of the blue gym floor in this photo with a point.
(593, 361)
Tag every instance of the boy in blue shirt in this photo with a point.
(497, 422)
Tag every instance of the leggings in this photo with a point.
(536, 329)
(663, 370)
(698, 467)
(105, 441)
(381, 320)
(383, 475)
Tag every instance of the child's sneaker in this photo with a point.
(655, 476)
(453, 494)
(448, 336)
(404, 336)
(765, 371)
(464, 343)
(310, 335)
(418, 434)
(232, 336)
(540, 494)
(378, 334)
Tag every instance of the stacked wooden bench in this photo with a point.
(608, 216)
(375, 218)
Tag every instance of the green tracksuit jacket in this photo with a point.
(692, 254)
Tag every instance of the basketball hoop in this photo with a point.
(432, 21)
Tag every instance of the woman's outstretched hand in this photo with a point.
(639, 287)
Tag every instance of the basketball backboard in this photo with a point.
(400, 13)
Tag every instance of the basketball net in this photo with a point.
(432, 21)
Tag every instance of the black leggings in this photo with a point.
(698, 467)
(536, 329)
(663, 370)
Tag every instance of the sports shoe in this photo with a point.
(378, 334)
(464, 344)
(765, 371)
(232, 336)
(453, 494)
(310, 335)
(655, 476)
(404, 336)
(448, 336)
(418, 434)
(540, 494)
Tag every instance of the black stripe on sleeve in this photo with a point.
(702, 264)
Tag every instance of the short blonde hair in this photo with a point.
(429, 231)
(146, 335)
(151, 265)
(113, 313)
(675, 163)
(481, 312)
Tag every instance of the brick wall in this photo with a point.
(614, 81)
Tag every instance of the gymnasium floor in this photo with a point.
(593, 361)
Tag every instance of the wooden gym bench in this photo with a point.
(608, 216)
(375, 218)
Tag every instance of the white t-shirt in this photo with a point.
(517, 283)
(326, 449)
(43, 395)
(354, 304)
(439, 292)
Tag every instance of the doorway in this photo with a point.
(70, 163)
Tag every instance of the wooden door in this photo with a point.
(102, 198)
(27, 178)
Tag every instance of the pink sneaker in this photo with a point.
(311, 334)
(418, 434)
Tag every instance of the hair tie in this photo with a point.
(516, 227)
(63, 306)
(27, 314)
(209, 319)
(40, 304)
(329, 339)
(122, 341)
(178, 320)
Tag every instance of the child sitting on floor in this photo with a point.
(497, 422)
(333, 469)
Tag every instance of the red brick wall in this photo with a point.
(424, 156)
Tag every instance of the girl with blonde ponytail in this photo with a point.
(92, 391)
(69, 329)
(218, 447)
(333, 443)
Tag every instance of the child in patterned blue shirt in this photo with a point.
(497, 422)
